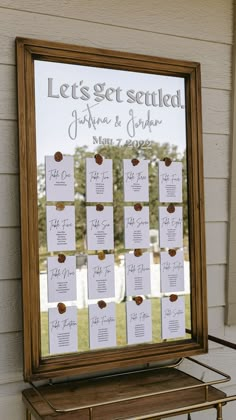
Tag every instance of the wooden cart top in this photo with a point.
(132, 395)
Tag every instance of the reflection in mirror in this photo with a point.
(135, 125)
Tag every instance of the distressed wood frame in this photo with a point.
(35, 367)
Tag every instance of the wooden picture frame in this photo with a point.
(35, 366)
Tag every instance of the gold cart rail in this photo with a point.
(153, 392)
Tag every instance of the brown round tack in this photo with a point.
(173, 298)
(172, 252)
(138, 300)
(61, 308)
(98, 159)
(101, 255)
(60, 206)
(171, 208)
(99, 207)
(58, 156)
(61, 258)
(167, 161)
(101, 304)
(138, 252)
(138, 207)
(135, 162)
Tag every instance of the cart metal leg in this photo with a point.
(219, 412)
(27, 414)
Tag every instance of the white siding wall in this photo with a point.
(191, 30)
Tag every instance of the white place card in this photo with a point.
(60, 228)
(136, 228)
(102, 326)
(137, 274)
(170, 182)
(172, 272)
(61, 279)
(100, 233)
(139, 322)
(136, 182)
(62, 328)
(171, 228)
(173, 317)
(101, 278)
(99, 181)
(60, 179)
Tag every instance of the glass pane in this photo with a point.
(81, 111)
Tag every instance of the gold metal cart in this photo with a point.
(150, 393)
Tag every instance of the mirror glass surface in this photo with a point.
(82, 111)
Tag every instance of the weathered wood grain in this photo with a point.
(206, 20)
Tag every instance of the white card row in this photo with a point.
(63, 328)
(62, 282)
(99, 180)
(100, 233)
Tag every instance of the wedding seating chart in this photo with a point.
(61, 275)
(173, 317)
(59, 178)
(102, 325)
(63, 337)
(101, 277)
(99, 181)
(139, 321)
(112, 208)
(137, 274)
(136, 181)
